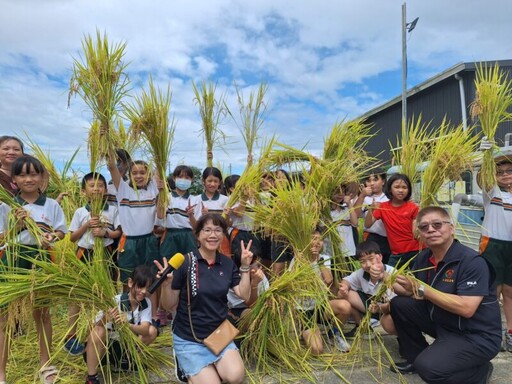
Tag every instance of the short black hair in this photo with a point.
(183, 169)
(394, 177)
(212, 171)
(93, 176)
(380, 175)
(285, 173)
(366, 248)
(215, 218)
(142, 276)
(230, 182)
(433, 209)
(123, 155)
(8, 138)
(24, 162)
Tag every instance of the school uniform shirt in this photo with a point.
(109, 219)
(141, 314)
(137, 208)
(47, 214)
(215, 205)
(465, 273)
(4, 212)
(176, 216)
(111, 194)
(360, 281)
(236, 302)
(398, 222)
(497, 222)
(324, 261)
(244, 222)
(209, 286)
(347, 246)
(378, 226)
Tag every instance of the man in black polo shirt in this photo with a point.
(456, 305)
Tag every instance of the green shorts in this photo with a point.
(22, 258)
(177, 240)
(499, 254)
(137, 250)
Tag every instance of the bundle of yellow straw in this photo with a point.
(491, 106)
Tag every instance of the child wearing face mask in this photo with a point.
(181, 215)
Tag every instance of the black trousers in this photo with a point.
(451, 358)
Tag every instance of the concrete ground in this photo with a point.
(369, 373)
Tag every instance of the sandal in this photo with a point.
(46, 372)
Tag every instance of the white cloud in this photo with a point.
(317, 57)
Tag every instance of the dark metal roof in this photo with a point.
(457, 68)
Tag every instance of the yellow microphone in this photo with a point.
(174, 263)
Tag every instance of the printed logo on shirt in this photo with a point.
(471, 283)
(221, 273)
(448, 276)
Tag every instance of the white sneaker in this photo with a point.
(339, 342)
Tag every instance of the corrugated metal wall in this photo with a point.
(433, 103)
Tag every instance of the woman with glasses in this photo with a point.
(203, 281)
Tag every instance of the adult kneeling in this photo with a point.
(454, 301)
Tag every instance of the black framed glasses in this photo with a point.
(423, 227)
(504, 172)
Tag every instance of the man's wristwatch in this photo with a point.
(421, 291)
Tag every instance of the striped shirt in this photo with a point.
(497, 222)
(137, 208)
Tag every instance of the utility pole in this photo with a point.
(406, 27)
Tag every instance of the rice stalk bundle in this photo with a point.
(94, 146)
(126, 138)
(247, 187)
(275, 322)
(149, 116)
(346, 140)
(491, 107)
(287, 155)
(13, 229)
(292, 215)
(88, 286)
(211, 111)
(99, 78)
(251, 113)
(451, 154)
(412, 149)
(65, 181)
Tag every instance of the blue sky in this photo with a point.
(323, 60)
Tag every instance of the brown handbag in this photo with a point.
(220, 337)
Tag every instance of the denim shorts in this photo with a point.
(194, 356)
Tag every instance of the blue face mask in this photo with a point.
(183, 184)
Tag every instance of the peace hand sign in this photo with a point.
(247, 255)
(190, 208)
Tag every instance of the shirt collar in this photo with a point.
(217, 258)
(105, 206)
(41, 200)
(215, 196)
(367, 276)
(185, 196)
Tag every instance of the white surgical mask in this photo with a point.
(183, 184)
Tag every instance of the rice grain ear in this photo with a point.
(452, 152)
(99, 78)
(412, 149)
(212, 110)
(251, 113)
(150, 121)
(491, 106)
